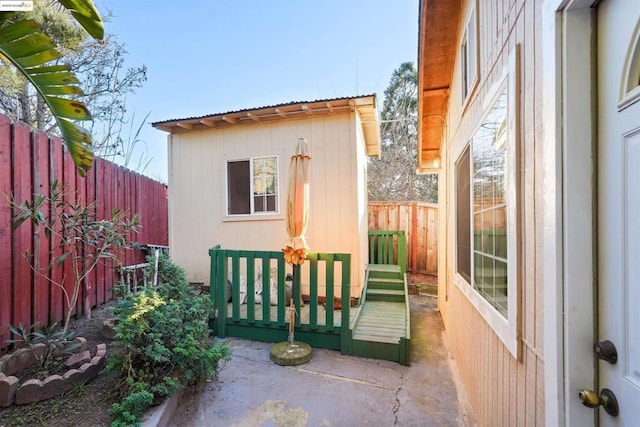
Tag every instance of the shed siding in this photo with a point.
(198, 190)
(501, 389)
(360, 179)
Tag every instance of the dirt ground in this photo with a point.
(421, 278)
(86, 405)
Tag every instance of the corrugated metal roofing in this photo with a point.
(342, 98)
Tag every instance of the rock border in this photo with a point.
(82, 366)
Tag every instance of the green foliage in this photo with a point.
(165, 342)
(393, 176)
(79, 239)
(26, 46)
(53, 343)
(130, 411)
(168, 272)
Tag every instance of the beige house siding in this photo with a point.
(502, 390)
(197, 199)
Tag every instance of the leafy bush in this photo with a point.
(165, 343)
(168, 272)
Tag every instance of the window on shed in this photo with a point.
(252, 186)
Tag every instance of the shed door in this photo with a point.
(618, 157)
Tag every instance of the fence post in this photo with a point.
(414, 236)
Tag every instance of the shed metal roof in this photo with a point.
(366, 105)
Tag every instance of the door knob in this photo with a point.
(606, 399)
(606, 350)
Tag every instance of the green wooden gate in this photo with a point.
(236, 275)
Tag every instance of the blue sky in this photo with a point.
(206, 57)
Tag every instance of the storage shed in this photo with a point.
(228, 176)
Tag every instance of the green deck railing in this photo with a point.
(388, 247)
(246, 319)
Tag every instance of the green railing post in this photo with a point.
(281, 294)
(312, 259)
(402, 251)
(345, 332)
(221, 292)
(213, 254)
(251, 284)
(266, 288)
(329, 291)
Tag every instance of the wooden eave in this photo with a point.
(366, 106)
(438, 31)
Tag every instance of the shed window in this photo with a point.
(252, 186)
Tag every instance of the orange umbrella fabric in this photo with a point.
(296, 247)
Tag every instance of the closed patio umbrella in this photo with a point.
(295, 248)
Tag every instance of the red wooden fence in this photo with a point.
(29, 163)
(419, 220)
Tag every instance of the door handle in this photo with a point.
(606, 399)
(606, 350)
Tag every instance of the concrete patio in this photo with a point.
(335, 390)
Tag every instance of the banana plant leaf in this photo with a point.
(30, 49)
(87, 15)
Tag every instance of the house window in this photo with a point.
(463, 216)
(489, 150)
(486, 196)
(469, 55)
(252, 186)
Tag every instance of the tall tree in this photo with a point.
(393, 176)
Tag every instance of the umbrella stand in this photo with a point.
(291, 352)
(295, 296)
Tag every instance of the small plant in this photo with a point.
(165, 343)
(78, 238)
(47, 345)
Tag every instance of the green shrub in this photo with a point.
(165, 344)
(168, 272)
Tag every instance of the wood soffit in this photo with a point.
(438, 32)
(366, 106)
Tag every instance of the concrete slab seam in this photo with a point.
(340, 378)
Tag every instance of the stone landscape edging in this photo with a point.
(34, 390)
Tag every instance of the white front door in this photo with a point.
(618, 166)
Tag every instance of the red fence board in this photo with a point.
(29, 164)
(90, 282)
(69, 178)
(57, 295)
(41, 286)
(99, 167)
(22, 236)
(5, 229)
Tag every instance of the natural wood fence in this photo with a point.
(29, 163)
(420, 223)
